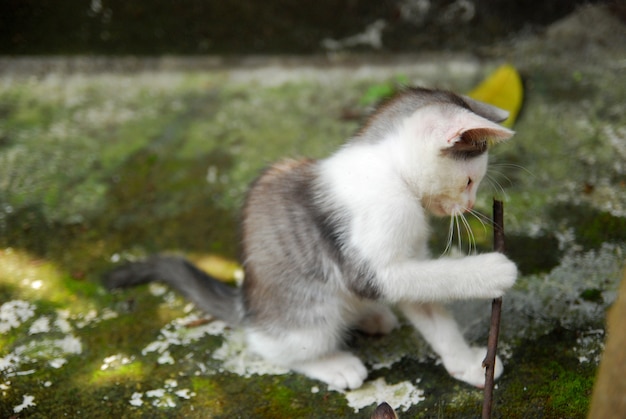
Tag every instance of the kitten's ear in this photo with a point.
(471, 127)
(469, 134)
(492, 113)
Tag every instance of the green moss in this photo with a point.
(551, 382)
(571, 393)
(381, 91)
(132, 372)
(591, 226)
(592, 295)
(534, 255)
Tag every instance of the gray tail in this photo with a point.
(207, 293)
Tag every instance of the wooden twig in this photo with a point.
(496, 308)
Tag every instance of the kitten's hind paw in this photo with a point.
(340, 370)
(471, 370)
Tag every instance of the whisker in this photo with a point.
(450, 236)
(482, 218)
(458, 231)
(470, 234)
(497, 187)
(514, 166)
(499, 174)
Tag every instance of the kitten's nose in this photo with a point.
(470, 204)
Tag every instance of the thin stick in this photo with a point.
(496, 309)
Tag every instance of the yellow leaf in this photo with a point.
(503, 88)
(221, 268)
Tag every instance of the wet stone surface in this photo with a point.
(101, 167)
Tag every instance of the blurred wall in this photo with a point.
(151, 27)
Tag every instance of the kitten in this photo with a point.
(328, 244)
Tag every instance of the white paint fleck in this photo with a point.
(106, 362)
(58, 362)
(135, 399)
(115, 361)
(61, 322)
(9, 363)
(27, 372)
(27, 401)
(185, 393)
(399, 396)
(166, 358)
(171, 383)
(69, 344)
(87, 318)
(590, 346)
(179, 334)
(108, 314)
(165, 401)
(156, 346)
(159, 392)
(14, 313)
(161, 398)
(41, 325)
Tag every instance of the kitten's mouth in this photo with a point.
(441, 210)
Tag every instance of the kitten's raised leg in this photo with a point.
(441, 331)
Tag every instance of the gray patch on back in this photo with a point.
(293, 250)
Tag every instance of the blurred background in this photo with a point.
(120, 27)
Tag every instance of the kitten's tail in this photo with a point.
(207, 293)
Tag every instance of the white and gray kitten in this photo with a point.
(329, 244)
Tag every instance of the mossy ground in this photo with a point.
(96, 169)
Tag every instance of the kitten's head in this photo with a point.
(440, 142)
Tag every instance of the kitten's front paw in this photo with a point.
(501, 271)
(470, 369)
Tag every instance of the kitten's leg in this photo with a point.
(442, 333)
(375, 318)
(339, 369)
(312, 352)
